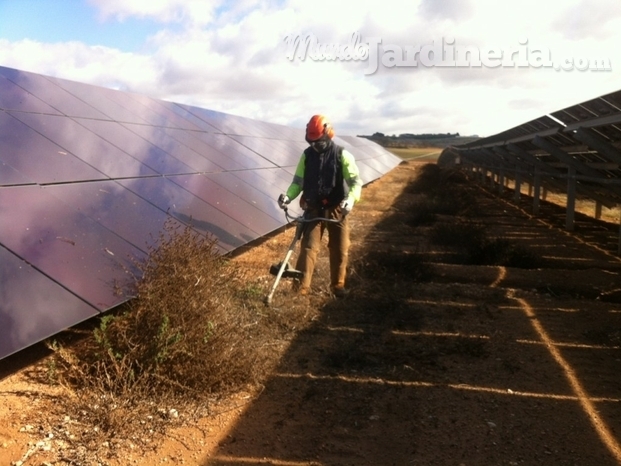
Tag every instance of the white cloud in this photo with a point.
(230, 56)
(457, 10)
(97, 65)
(592, 19)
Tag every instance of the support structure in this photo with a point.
(576, 151)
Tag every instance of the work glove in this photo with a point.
(283, 200)
(346, 206)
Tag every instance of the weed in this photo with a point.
(194, 330)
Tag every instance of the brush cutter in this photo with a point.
(283, 269)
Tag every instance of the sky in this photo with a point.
(391, 66)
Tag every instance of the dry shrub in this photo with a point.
(184, 331)
(196, 330)
(434, 179)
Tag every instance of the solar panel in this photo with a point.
(14, 97)
(56, 97)
(76, 140)
(38, 158)
(230, 153)
(73, 249)
(102, 100)
(603, 106)
(171, 141)
(278, 152)
(111, 205)
(9, 176)
(141, 149)
(584, 149)
(89, 176)
(34, 306)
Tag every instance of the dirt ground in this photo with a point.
(425, 362)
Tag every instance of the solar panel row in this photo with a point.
(585, 138)
(89, 175)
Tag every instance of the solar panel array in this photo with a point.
(580, 143)
(89, 175)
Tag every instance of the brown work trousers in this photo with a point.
(338, 245)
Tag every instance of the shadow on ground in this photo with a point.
(437, 359)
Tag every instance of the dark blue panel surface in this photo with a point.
(139, 148)
(53, 95)
(116, 208)
(158, 114)
(280, 153)
(225, 193)
(32, 306)
(86, 145)
(99, 98)
(9, 176)
(227, 124)
(271, 182)
(13, 97)
(367, 173)
(376, 164)
(190, 210)
(184, 112)
(89, 260)
(165, 140)
(235, 152)
(192, 140)
(258, 190)
(37, 158)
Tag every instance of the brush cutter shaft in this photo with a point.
(298, 234)
(301, 222)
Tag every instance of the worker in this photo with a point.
(328, 178)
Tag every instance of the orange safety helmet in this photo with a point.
(317, 127)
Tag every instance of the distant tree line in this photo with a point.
(406, 140)
(415, 136)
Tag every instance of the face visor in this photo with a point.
(320, 145)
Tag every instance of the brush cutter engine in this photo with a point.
(288, 271)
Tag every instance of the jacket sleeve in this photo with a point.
(351, 176)
(295, 188)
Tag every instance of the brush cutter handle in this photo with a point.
(302, 218)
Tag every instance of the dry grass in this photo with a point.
(475, 247)
(446, 192)
(426, 154)
(197, 330)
